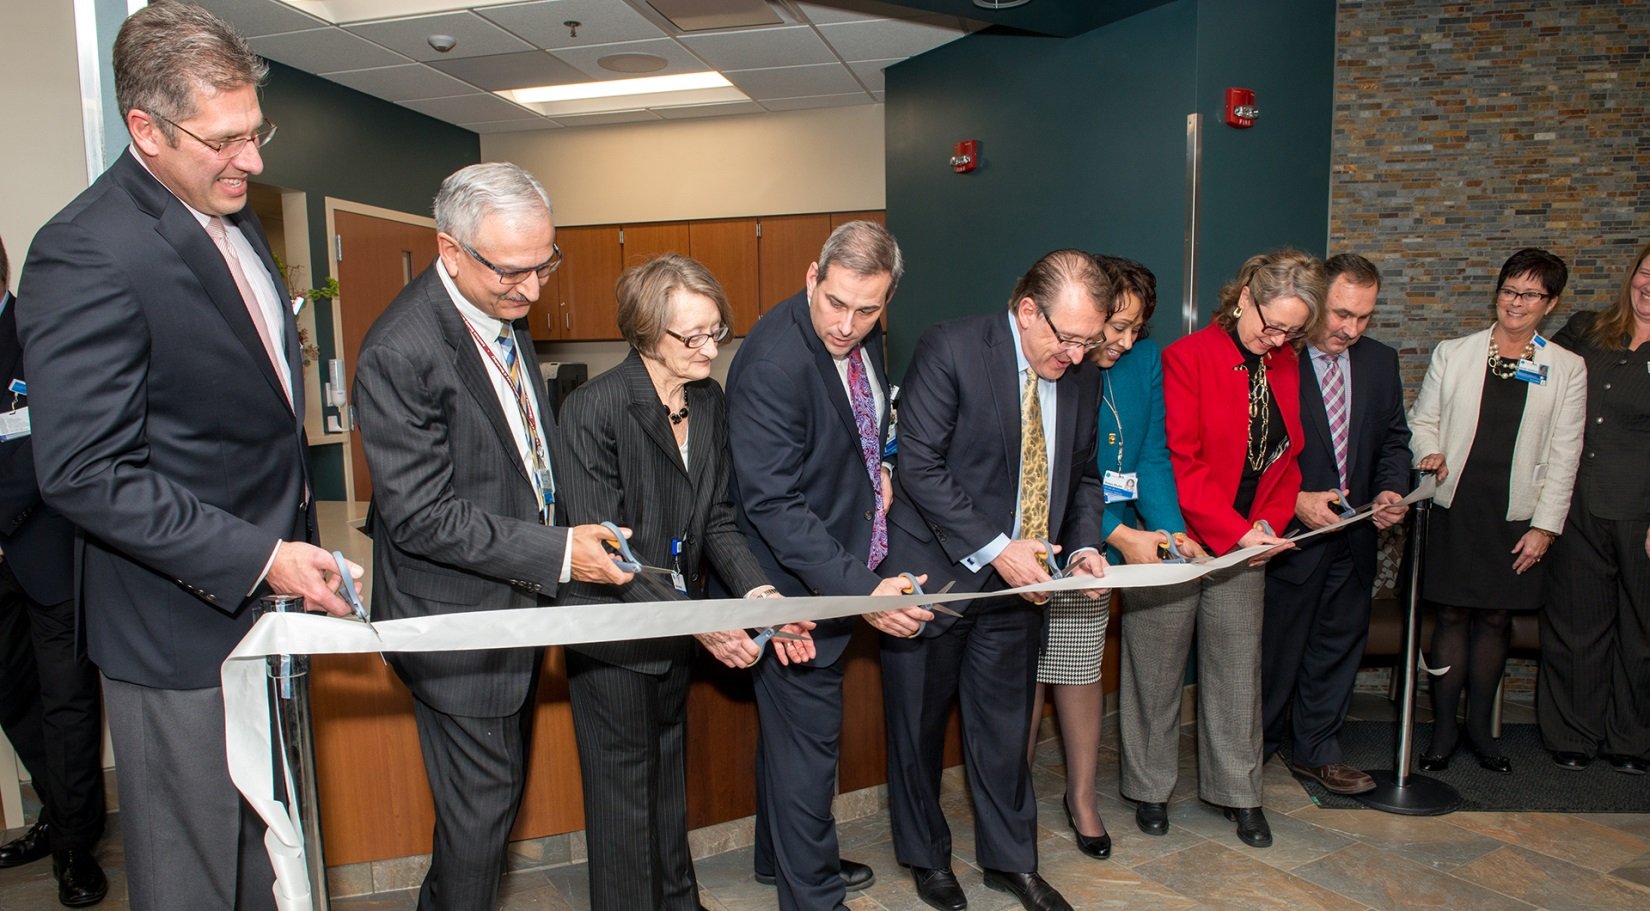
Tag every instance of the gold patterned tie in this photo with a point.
(1033, 465)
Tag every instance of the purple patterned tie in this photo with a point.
(1334, 404)
(870, 445)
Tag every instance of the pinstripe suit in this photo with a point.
(618, 461)
(455, 528)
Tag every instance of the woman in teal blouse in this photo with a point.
(1141, 500)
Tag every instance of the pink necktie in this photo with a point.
(220, 235)
(1334, 405)
(865, 419)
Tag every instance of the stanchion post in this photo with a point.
(295, 743)
(1400, 791)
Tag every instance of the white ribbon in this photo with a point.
(245, 693)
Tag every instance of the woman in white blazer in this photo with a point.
(1500, 419)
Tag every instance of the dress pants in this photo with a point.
(51, 710)
(191, 840)
(987, 660)
(476, 767)
(1311, 646)
(1225, 610)
(1594, 688)
(800, 707)
(631, 731)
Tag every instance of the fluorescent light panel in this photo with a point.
(619, 88)
(339, 12)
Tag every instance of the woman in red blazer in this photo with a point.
(1231, 391)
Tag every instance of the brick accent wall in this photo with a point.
(1464, 131)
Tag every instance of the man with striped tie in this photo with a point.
(1318, 594)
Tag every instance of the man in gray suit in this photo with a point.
(457, 432)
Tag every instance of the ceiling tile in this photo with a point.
(884, 39)
(588, 120)
(870, 71)
(600, 22)
(795, 81)
(709, 110)
(855, 11)
(255, 18)
(324, 50)
(512, 126)
(677, 58)
(476, 36)
(760, 47)
(407, 82)
(510, 71)
(817, 101)
(469, 109)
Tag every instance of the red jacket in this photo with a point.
(1207, 401)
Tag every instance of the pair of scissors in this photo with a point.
(627, 558)
(1170, 550)
(914, 587)
(768, 634)
(1056, 570)
(1343, 506)
(347, 589)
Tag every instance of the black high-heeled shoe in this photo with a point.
(1435, 762)
(1490, 761)
(1097, 847)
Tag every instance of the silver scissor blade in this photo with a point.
(940, 608)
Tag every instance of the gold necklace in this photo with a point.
(1260, 406)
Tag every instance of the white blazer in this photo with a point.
(1548, 450)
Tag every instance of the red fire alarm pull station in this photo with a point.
(965, 156)
(1240, 108)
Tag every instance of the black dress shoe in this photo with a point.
(1626, 765)
(80, 881)
(1572, 762)
(1152, 817)
(939, 889)
(26, 848)
(855, 876)
(1491, 761)
(1034, 894)
(1434, 762)
(1095, 846)
(1252, 829)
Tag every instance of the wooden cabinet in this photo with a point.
(589, 271)
(789, 243)
(727, 246)
(645, 242)
(544, 319)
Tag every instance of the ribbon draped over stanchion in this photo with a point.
(246, 709)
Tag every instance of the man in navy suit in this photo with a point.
(167, 399)
(50, 706)
(807, 402)
(992, 399)
(1318, 595)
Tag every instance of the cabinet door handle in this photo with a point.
(567, 321)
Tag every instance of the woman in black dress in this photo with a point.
(1499, 419)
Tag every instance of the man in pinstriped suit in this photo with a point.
(456, 429)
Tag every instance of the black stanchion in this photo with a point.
(294, 761)
(1400, 791)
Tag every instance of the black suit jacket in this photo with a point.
(959, 455)
(1377, 454)
(160, 427)
(619, 463)
(38, 542)
(800, 485)
(454, 518)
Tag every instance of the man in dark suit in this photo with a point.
(807, 417)
(1318, 595)
(457, 430)
(48, 690)
(167, 400)
(989, 399)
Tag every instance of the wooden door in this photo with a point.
(789, 244)
(380, 257)
(727, 246)
(589, 271)
(645, 242)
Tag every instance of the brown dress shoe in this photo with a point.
(1337, 777)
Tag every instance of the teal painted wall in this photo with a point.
(1083, 145)
(335, 141)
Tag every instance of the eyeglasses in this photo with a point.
(514, 277)
(1267, 328)
(1066, 342)
(228, 148)
(1528, 297)
(698, 339)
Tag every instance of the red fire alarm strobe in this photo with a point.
(965, 156)
(1240, 108)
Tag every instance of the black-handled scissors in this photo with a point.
(627, 558)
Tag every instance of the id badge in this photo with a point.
(545, 482)
(1120, 486)
(676, 580)
(1531, 372)
(14, 424)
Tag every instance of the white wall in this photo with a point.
(827, 160)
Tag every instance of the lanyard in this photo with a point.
(545, 484)
(1106, 396)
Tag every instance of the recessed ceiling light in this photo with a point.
(632, 63)
(619, 88)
